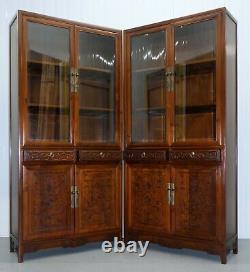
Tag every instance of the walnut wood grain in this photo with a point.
(49, 155)
(46, 201)
(195, 155)
(100, 155)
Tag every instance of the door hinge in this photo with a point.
(74, 197)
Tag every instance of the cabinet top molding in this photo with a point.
(199, 15)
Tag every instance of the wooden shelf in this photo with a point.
(48, 109)
(149, 69)
(38, 62)
(95, 69)
(96, 109)
(151, 111)
(195, 109)
(196, 62)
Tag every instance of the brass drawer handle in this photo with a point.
(102, 155)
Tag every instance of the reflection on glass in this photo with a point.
(96, 88)
(195, 59)
(148, 56)
(48, 83)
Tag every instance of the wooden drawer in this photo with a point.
(100, 155)
(145, 155)
(49, 155)
(195, 155)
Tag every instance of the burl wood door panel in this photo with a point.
(99, 197)
(47, 208)
(146, 199)
(196, 201)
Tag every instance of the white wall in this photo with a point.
(122, 15)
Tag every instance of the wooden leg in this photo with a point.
(12, 245)
(223, 257)
(20, 255)
(235, 246)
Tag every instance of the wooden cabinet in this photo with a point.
(47, 211)
(65, 133)
(171, 136)
(181, 133)
(98, 207)
(195, 204)
(147, 198)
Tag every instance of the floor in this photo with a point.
(92, 258)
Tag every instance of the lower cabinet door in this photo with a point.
(147, 204)
(47, 211)
(98, 207)
(196, 197)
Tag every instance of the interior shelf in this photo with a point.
(149, 69)
(195, 109)
(95, 69)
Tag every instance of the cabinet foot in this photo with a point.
(235, 246)
(12, 245)
(20, 256)
(223, 258)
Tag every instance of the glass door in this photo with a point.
(96, 90)
(195, 82)
(148, 96)
(47, 98)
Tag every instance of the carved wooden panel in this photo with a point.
(100, 155)
(195, 155)
(145, 155)
(47, 155)
(46, 201)
(195, 201)
(146, 198)
(99, 197)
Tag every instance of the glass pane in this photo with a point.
(96, 88)
(195, 66)
(148, 57)
(48, 64)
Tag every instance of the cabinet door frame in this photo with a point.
(117, 88)
(116, 183)
(170, 95)
(218, 197)
(128, 35)
(219, 75)
(25, 201)
(129, 201)
(43, 20)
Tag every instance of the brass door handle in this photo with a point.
(172, 194)
(169, 193)
(74, 197)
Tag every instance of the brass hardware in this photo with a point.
(74, 197)
(102, 155)
(170, 78)
(169, 193)
(143, 155)
(74, 80)
(172, 194)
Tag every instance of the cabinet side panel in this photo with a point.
(14, 128)
(231, 127)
